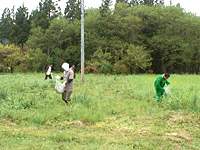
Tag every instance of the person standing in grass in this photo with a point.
(48, 72)
(69, 82)
(159, 84)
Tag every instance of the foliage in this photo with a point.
(37, 60)
(120, 69)
(13, 55)
(101, 60)
(21, 26)
(6, 26)
(46, 12)
(90, 69)
(73, 10)
(3, 68)
(167, 33)
(105, 7)
(136, 58)
(144, 2)
(169, 48)
(149, 71)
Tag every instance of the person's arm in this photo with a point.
(167, 82)
(46, 70)
(69, 80)
(70, 76)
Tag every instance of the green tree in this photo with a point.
(135, 2)
(102, 61)
(61, 40)
(125, 1)
(73, 10)
(125, 25)
(146, 2)
(39, 39)
(136, 58)
(117, 30)
(170, 35)
(37, 60)
(47, 11)
(13, 56)
(65, 38)
(92, 38)
(72, 52)
(21, 26)
(6, 26)
(105, 6)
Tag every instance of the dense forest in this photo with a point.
(136, 36)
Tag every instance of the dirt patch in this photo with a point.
(180, 118)
(78, 123)
(179, 137)
(7, 122)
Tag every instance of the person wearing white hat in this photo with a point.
(69, 82)
(65, 67)
(68, 77)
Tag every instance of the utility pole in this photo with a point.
(82, 40)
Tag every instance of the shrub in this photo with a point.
(106, 69)
(3, 68)
(120, 69)
(21, 68)
(137, 58)
(90, 69)
(149, 71)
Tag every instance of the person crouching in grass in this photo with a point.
(159, 84)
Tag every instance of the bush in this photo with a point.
(149, 71)
(106, 69)
(3, 68)
(21, 68)
(120, 69)
(90, 69)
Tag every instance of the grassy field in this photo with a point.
(108, 112)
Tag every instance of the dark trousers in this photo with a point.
(46, 76)
(66, 96)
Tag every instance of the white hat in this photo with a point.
(65, 66)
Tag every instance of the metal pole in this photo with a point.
(82, 40)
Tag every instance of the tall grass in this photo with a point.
(105, 109)
(97, 97)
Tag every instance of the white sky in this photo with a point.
(189, 5)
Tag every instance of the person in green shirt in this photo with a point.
(159, 84)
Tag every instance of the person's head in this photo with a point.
(166, 76)
(72, 67)
(65, 66)
(50, 65)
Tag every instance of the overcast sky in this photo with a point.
(189, 5)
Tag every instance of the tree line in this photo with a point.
(135, 36)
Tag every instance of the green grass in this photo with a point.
(107, 112)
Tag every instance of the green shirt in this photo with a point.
(160, 82)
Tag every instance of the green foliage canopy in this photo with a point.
(13, 55)
(167, 33)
